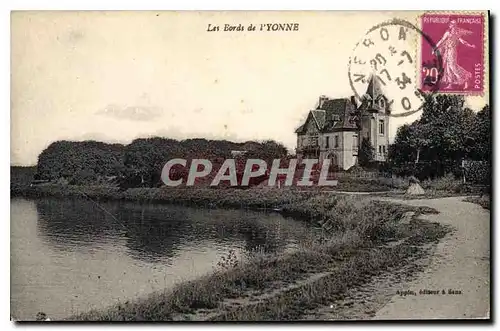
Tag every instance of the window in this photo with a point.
(313, 140)
(355, 144)
(383, 150)
(327, 142)
(381, 127)
(381, 102)
(336, 141)
(380, 149)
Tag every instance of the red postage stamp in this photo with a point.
(453, 53)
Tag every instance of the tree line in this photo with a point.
(446, 133)
(139, 164)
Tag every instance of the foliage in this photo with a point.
(82, 177)
(140, 163)
(229, 261)
(446, 133)
(481, 135)
(267, 151)
(144, 159)
(477, 172)
(76, 160)
(446, 183)
(484, 201)
(21, 176)
(366, 153)
(427, 169)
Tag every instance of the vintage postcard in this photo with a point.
(250, 165)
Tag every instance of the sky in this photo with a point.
(117, 76)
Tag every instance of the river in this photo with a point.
(72, 255)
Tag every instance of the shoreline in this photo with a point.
(265, 200)
(290, 202)
(362, 239)
(257, 198)
(289, 287)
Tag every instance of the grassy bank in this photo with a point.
(305, 204)
(355, 247)
(362, 238)
(484, 201)
(260, 197)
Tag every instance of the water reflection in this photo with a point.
(155, 232)
(73, 255)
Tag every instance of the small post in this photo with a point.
(463, 170)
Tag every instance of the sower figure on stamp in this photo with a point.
(453, 73)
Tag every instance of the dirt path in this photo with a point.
(460, 263)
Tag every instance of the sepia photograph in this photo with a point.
(248, 166)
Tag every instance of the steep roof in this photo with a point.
(312, 116)
(333, 115)
(335, 105)
(371, 100)
(319, 117)
(300, 129)
(374, 89)
(339, 115)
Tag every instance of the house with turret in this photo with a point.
(336, 127)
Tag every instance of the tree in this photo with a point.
(366, 153)
(444, 131)
(405, 146)
(64, 159)
(145, 157)
(141, 162)
(481, 135)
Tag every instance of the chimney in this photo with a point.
(322, 100)
(353, 101)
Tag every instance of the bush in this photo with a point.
(477, 172)
(446, 183)
(83, 177)
(68, 158)
(484, 201)
(427, 169)
(366, 153)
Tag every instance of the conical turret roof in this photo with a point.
(374, 87)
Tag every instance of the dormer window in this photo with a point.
(381, 103)
(336, 119)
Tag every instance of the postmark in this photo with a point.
(388, 52)
(459, 40)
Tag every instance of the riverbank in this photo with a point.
(287, 200)
(362, 239)
(310, 205)
(261, 197)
